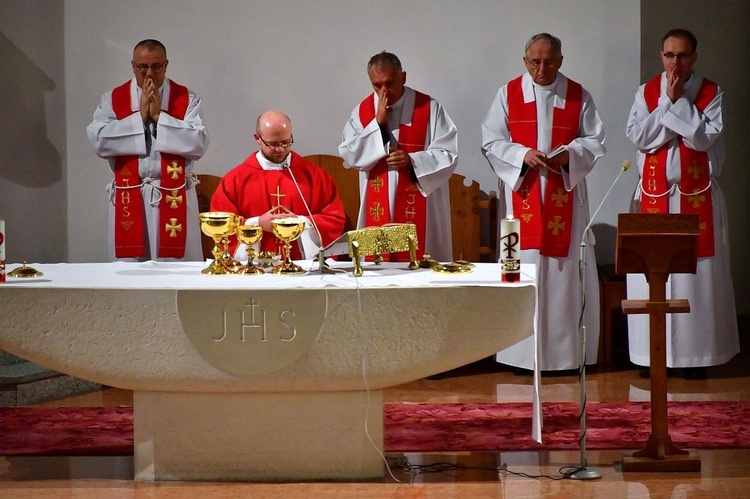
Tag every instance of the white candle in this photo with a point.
(2, 250)
(510, 249)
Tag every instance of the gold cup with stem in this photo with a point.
(218, 225)
(249, 235)
(288, 229)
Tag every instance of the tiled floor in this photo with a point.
(724, 473)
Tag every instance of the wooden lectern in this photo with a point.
(657, 245)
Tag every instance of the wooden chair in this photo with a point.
(205, 191)
(347, 182)
(473, 221)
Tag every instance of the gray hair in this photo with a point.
(550, 40)
(383, 60)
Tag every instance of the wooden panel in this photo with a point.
(347, 182)
(473, 221)
(465, 223)
(205, 191)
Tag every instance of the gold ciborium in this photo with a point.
(219, 225)
(288, 229)
(249, 235)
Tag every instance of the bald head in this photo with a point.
(272, 121)
(273, 133)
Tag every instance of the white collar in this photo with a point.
(266, 164)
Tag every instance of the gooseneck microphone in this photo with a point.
(582, 471)
(625, 166)
(286, 166)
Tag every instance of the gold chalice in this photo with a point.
(219, 225)
(249, 235)
(288, 229)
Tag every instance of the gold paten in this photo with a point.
(267, 259)
(452, 268)
(25, 272)
(219, 225)
(288, 229)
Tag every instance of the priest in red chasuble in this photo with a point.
(541, 137)
(276, 182)
(405, 147)
(677, 125)
(150, 129)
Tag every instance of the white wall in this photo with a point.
(308, 58)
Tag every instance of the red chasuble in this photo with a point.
(544, 226)
(410, 205)
(695, 177)
(250, 191)
(129, 218)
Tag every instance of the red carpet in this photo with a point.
(102, 431)
(507, 427)
(66, 431)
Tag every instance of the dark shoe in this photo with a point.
(695, 373)
(644, 372)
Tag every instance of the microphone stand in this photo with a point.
(583, 472)
(321, 262)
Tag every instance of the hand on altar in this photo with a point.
(274, 213)
(398, 158)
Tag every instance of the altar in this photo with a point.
(266, 377)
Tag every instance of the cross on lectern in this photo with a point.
(657, 245)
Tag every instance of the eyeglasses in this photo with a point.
(680, 57)
(535, 63)
(278, 145)
(143, 68)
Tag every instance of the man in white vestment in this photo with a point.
(542, 136)
(406, 148)
(676, 123)
(150, 130)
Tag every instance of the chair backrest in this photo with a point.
(205, 191)
(473, 221)
(347, 182)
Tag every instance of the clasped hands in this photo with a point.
(150, 101)
(273, 214)
(675, 85)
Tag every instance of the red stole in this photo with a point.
(544, 226)
(129, 212)
(695, 177)
(410, 205)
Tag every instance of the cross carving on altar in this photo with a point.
(278, 196)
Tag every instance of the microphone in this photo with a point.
(623, 168)
(583, 471)
(286, 166)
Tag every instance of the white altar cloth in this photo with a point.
(231, 372)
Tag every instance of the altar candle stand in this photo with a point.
(510, 249)
(657, 245)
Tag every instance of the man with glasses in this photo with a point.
(406, 148)
(150, 130)
(276, 182)
(677, 125)
(541, 137)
